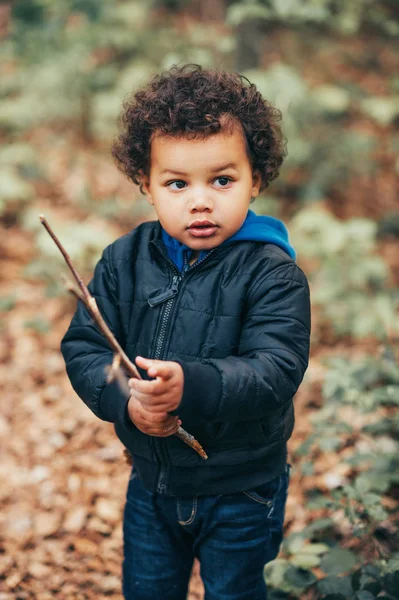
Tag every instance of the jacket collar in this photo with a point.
(255, 228)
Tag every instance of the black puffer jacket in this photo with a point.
(238, 322)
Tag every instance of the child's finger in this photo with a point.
(157, 419)
(151, 417)
(153, 405)
(145, 387)
(161, 369)
(155, 368)
(143, 363)
(153, 387)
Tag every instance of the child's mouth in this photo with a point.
(202, 228)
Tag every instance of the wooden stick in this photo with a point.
(120, 357)
(91, 304)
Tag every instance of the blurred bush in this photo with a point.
(67, 66)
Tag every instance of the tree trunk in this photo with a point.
(249, 45)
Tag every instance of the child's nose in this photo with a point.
(201, 202)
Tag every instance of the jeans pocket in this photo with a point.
(267, 493)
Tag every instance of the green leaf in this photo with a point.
(331, 99)
(304, 448)
(357, 459)
(338, 560)
(39, 324)
(239, 13)
(293, 543)
(387, 394)
(18, 154)
(7, 303)
(335, 585)
(362, 484)
(372, 570)
(318, 525)
(371, 499)
(349, 491)
(391, 583)
(393, 564)
(305, 561)
(365, 482)
(307, 468)
(378, 513)
(300, 578)
(133, 14)
(319, 501)
(315, 549)
(13, 187)
(330, 444)
(379, 427)
(364, 595)
(382, 110)
(280, 77)
(372, 586)
(106, 107)
(274, 573)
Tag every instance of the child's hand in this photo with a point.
(165, 391)
(157, 424)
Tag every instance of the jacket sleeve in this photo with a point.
(86, 351)
(272, 356)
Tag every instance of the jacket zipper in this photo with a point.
(169, 297)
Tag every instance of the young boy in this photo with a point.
(210, 304)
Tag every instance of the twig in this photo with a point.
(114, 373)
(83, 294)
(71, 287)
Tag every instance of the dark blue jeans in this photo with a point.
(232, 535)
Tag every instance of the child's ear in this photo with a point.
(256, 183)
(145, 187)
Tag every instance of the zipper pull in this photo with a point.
(164, 296)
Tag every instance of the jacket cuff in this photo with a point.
(113, 405)
(201, 392)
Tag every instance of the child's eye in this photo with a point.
(223, 181)
(179, 185)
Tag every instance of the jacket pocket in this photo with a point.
(236, 434)
(227, 434)
(262, 432)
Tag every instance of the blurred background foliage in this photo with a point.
(332, 68)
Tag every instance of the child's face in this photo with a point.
(192, 181)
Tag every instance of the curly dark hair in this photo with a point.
(191, 101)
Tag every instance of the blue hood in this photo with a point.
(255, 228)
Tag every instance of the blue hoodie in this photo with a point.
(255, 228)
